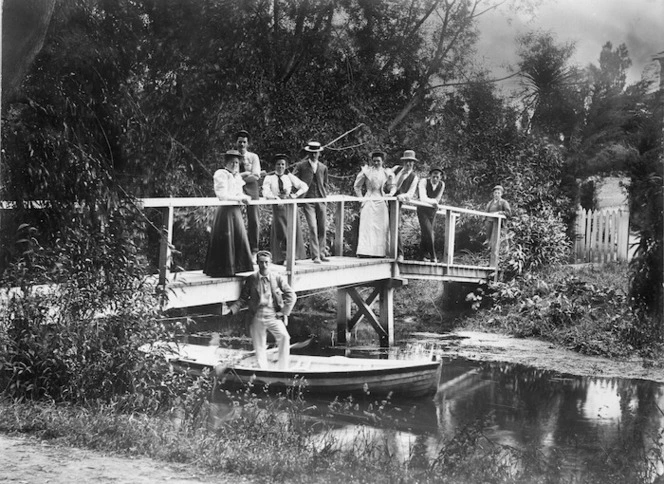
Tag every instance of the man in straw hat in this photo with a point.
(405, 183)
(430, 191)
(314, 173)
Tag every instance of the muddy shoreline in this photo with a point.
(543, 355)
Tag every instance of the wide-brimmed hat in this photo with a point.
(279, 156)
(379, 153)
(498, 187)
(233, 154)
(408, 155)
(435, 169)
(313, 147)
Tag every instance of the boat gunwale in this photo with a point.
(335, 374)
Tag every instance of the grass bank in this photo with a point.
(272, 440)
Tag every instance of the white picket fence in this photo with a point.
(602, 235)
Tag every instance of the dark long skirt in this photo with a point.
(228, 252)
(278, 236)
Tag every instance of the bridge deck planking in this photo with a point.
(193, 288)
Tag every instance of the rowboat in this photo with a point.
(335, 375)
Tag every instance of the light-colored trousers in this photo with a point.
(264, 321)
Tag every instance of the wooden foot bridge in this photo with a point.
(346, 274)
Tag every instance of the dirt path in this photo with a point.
(27, 460)
(540, 354)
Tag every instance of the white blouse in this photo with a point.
(228, 186)
(290, 182)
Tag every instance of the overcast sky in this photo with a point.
(590, 23)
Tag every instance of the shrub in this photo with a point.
(588, 311)
(78, 338)
(535, 241)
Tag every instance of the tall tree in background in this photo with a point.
(552, 99)
(604, 144)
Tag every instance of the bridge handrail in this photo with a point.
(176, 202)
(169, 204)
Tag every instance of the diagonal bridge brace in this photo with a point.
(383, 324)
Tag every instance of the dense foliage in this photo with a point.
(587, 310)
(130, 99)
(77, 337)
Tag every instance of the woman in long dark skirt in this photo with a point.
(229, 252)
(286, 186)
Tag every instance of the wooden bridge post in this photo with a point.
(394, 216)
(450, 233)
(495, 246)
(291, 231)
(165, 244)
(387, 315)
(339, 228)
(383, 323)
(343, 314)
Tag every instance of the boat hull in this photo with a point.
(334, 375)
(411, 381)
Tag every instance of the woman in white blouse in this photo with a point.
(280, 184)
(228, 252)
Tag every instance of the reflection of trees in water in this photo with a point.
(531, 408)
(594, 429)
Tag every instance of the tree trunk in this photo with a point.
(24, 27)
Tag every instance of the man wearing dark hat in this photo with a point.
(406, 181)
(314, 173)
(250, 171)
(430, 191)
(283, 185)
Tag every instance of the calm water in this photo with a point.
(586, 426)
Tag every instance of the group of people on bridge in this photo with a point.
(233, 248)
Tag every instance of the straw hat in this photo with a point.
(408, 155)
(313, 147)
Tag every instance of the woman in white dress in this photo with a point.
(377, 181)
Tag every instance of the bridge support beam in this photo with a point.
(383, 323)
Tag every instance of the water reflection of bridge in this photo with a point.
(346, 274)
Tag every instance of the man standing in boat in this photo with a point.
(269, 301)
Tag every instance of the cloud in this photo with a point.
(589, 23)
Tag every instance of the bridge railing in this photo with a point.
(450, 213)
